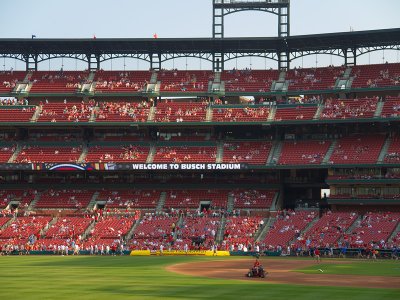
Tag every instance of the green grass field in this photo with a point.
(83, 277)
(362, 268)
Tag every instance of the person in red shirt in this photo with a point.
(317, 255)
(256, 266)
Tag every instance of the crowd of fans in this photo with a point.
(119, 80)
(353, 108)
(72, 112)
(137, 112)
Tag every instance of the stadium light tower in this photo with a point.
(221, 8)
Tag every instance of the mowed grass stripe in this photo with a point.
(352, 267)
(55, 277)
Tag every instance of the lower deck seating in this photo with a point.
(23, 227)
(3, 221)
(240, 230)
(67, 227)
(288, 227)
(329, 229)
(373, 228)
(154, 231)
(112, 227)
(202, 229)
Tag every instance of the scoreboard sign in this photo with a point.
(172, 166)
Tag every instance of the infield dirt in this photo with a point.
(281, 271)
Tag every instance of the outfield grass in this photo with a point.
(83, 277)
(370, 268)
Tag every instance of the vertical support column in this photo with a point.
(31, 61)
(93, 62)
(218, 62)
(350, 57)
(218, 33)
(283, 32)
(218, 20)
(155, 61)
(283, 21)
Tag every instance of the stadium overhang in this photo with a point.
(348, 45)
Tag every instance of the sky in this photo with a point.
(185, 19)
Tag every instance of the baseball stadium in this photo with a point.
(226, 166)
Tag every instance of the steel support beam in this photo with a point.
(221, 8)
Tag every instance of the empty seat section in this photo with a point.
(313, 78)
(57, 81)
(299, 112)
(67, 227)
(329, 228)
(192, 198)
(252, 199)
(287, 227)
(391, 108)
(303, 152)
(372, 76)
(393, 152)
(10, 195)
(24, 114)
(255, 153)
(9, 79)
(122, 153)
(130, 198)
(373, 228)
(184, 81)
(185, 154)
(358, 149)
(3, 221)
(249, 80)
(6, 151)
(67, 199)
(42, 154)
